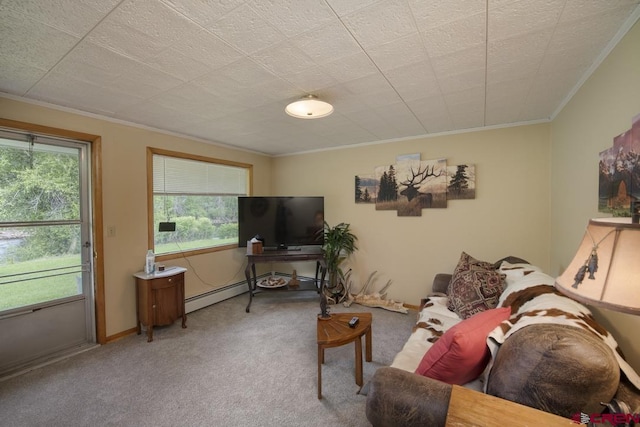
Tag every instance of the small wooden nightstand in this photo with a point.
(160, 299)
(472, 408)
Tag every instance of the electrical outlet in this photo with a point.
(111, 231)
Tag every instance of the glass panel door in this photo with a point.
(29, 277)
(45, 246)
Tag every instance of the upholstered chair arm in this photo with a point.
(401, 398)
(441, 282)
(628, 394)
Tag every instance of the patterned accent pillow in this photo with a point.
(475, 286)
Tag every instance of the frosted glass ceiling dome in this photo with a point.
(309, 107)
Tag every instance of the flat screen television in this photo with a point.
(282, 222)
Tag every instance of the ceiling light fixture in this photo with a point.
(309, 107)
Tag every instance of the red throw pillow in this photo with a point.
(461, 353)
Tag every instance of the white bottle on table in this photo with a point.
(150, 264)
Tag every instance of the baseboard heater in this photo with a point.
(217, 295)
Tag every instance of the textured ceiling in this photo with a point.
(224, 70)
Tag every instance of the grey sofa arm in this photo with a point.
(441, 282)
(401, 398)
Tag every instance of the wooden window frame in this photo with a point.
(151, 151)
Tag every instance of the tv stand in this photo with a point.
(281, 249)
(291, 255)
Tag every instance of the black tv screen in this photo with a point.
(283, 222)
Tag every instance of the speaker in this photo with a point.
(167, 226)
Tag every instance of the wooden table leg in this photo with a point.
(247, 275)
(320, 362)
(184, 311)
(138, 324)
(368, 345)
(359, 361)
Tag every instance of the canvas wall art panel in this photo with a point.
(421, 185)
(366, 188)
(619, 173)
(461, 182)
(387, 191)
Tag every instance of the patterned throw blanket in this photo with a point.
(534, 300)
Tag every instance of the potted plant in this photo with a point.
(339, 243)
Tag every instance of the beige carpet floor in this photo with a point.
(228, 368)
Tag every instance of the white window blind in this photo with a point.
(173, 175)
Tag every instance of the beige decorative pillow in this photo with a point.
(475, 287)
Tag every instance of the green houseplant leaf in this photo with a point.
(339, 243)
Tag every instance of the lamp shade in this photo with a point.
(605, 271)
(309, 107)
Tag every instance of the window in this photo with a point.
(199, 195)
(41, 220)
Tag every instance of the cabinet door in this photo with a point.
(166, 299)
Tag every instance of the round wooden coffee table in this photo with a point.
(335, 331)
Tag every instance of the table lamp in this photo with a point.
(605, 271)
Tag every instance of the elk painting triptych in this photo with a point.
(410, 185)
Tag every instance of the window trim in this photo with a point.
(151, 151)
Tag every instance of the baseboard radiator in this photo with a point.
(217, 295)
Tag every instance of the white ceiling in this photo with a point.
(223, 70)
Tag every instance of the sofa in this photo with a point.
(501, 328)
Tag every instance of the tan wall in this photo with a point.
(518, 209)
(125, 204)
(602, 109)
(510, 215)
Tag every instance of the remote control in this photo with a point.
(353, 322)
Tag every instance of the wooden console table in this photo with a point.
(160, 299)
(304, 254)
